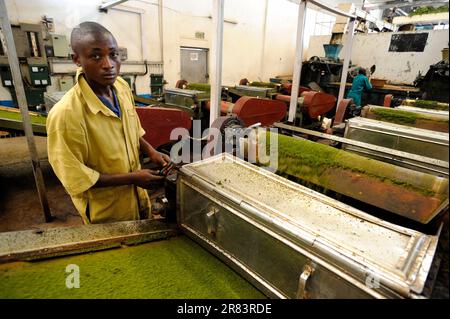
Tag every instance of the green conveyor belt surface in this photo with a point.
(173, 268)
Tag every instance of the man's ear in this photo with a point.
(76, 59)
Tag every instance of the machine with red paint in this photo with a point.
(181, 105)
(312, 106)
(158, 123)
(252, 110)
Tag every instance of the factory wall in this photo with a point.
(258, 41)
(126, 27)
(396, 67)
(259, 35)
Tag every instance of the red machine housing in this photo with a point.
(158, 123)
(314, 103)
(286, 88)
(341, 110)
(388, 100)
(252, 110)
(317, 103)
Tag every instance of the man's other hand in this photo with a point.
(145, 177)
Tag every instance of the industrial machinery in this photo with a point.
(426, 104)
(414, 137)
(323, 70)
(33, 63)
(409, 116)
(418, 196)
(325, 73)
(233, 93)
(312, 105)
(391, 101)
(430, 90)
(191, 101)
(11, 120)
(156, 84)
(193, 98)
(409, 141)
(325, 248)
(158, 123)
(256, 89)
(252, 110)
(434, 85)
(181, 106)
(317, 247)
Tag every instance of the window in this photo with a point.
(324, 23)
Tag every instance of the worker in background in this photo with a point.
(360, 84)
(95, 137)
(391, 14)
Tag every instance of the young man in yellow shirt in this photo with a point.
(95, 137)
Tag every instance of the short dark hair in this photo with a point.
(83, 29)
(362, 71)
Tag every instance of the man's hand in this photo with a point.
(160, 159)
(145, 177)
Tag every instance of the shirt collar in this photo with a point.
(93, 102)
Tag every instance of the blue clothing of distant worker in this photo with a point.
(360, 84)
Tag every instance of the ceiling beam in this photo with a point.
(326, 7)
(403, 13)
(108, 5)
(401, 3)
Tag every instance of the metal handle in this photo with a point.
(211, 221)
(303, 279)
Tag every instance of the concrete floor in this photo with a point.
(20, 207)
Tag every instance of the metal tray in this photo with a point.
(409, 116)
(278, 234)
(427, 143)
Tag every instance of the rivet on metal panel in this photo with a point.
(211, 221)
(307, 272)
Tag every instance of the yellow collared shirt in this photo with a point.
(86, 139)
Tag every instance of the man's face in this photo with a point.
(98, 54)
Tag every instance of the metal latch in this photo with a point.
(303, 279)
(211, 220)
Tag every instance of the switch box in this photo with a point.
(5, 74)
(39, 75)
(60, 46)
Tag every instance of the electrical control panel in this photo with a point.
(39, 75)
(5, 74)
